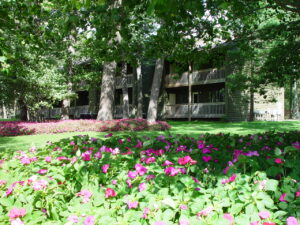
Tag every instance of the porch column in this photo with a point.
(190, 91)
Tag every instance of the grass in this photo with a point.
(193, 128)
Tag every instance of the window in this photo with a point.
(172, 99)
(196, 98)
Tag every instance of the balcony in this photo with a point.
(198, 110)
(119, 81)
(208, 76)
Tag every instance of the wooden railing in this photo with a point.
(198, 77)
(198, 110)
(129, 81)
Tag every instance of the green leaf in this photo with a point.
(271, 185)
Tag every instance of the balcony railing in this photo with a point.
(198, 110)
(119, 81)
(197, 77)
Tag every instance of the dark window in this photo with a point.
(129, 69)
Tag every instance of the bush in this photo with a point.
(16, 128)
(215, 179)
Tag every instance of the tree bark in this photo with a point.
(125, 91)
(152, 108)
(65, 111)
(23, 111)
(4, 111)
(295, 105)
(251, 110)
(139, 91)
(190, 92)
(107, 91)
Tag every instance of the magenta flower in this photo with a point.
(98, 155)
(48, 159)
(110, 193)
(73, 219)
(184, 160)
(142, 187)
(150, 160)
(296, 145)
(150, 177)
(42, 171)
(86, 156)
(114, 182)
(171, 171)
(232, 178)
(16, 213)
(292, 221)
(255, 223)
(207, 158)
(108, 135)
(278, 161)
(282, 198)
(167, 163)
(105, 168)
(90, 220)
(132, 174)
(140, 169)
(132, 205)
(264, 215)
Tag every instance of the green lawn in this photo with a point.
(178, 127)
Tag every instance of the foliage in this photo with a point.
(141, 180)
(16, 128)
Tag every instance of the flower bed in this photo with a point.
(16, 128)
(216, 179)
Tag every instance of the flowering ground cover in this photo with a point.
(16, 128)
(213, 179)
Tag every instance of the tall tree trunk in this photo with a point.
(251, 110)
(23, 111)
(190, 92)
(295, 105)
(107, 91)
(125, 91)
(65, 111)
(139, 91)
(152, 108)
(4, 111)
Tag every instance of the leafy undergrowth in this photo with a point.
(216, 179)
(16, 128)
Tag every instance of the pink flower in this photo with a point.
(282, 198)
(142, 187)
(167, 163)
(205, 212)
(232, 178)
(205, 170)
(229, 217)
(171, 171)
(105, 168)
(184, 160)
(48, 159)
(183, 207)
(278, 160)
(2, 182)
(206, 158)
(255, 223)
(40, 184)
(16, 213)
(17, 221)
(145, 213)
(140, 169)
(86, 156)
(132, 205)
(73, 219)
(108, 135)
(150, 160)
(150, 177)
(42, 171)
(114, 182)
(292, 221)
(132, 174)
(297, 194)
(90, 220)
(110, 193)
(184, 222)
(264, 214)
(25, 161)
(86, 195)
(98, 155)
